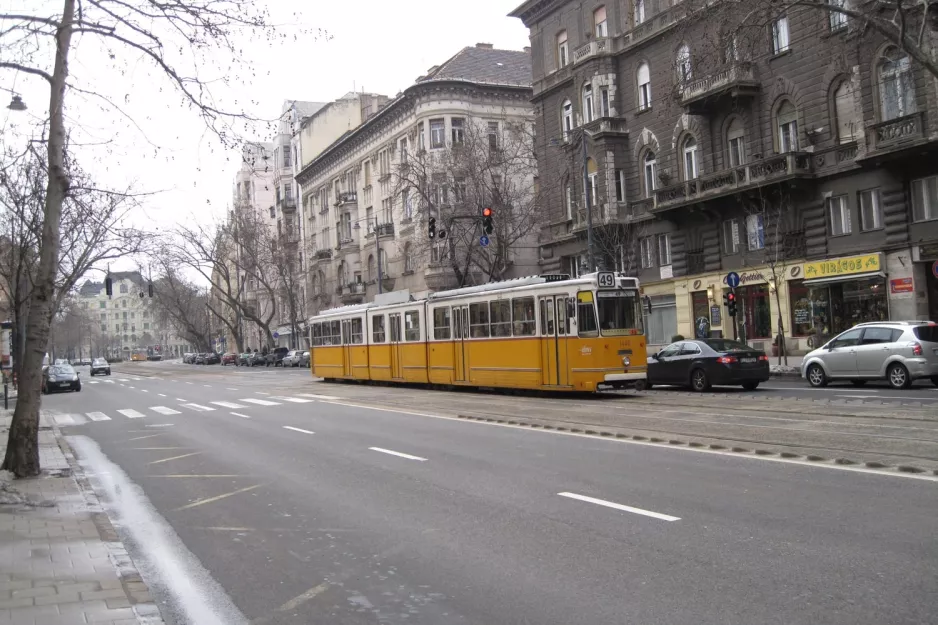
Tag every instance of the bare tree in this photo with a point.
(255, 252)
(476, 169)
(181, 305)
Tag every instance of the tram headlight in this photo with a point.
(625, 361)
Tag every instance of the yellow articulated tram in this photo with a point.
(540, 333)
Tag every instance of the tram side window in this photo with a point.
(441, 323)
(522, 312)
(377, 329)
(356, 334)
(411, 325)
(586, 317)
(501, 317)
(332, 333)
(479, 320)
(317, 334)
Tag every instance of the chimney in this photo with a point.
(484, 46)
(432, 69)
(527, 49)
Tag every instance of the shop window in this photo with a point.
(754, 315)
(700, 305)
(522, 315)
(479, 320)
(500, 317)
(731, 236)
(802, 309)
(441, 323)
(871, 213)
(661, 323)
(839, 212)
(925, 199)
(412, 325)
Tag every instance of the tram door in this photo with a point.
(555, 326)
(397, 367)
(347, 347)
(460, 349)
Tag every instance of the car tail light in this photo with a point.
(725, 360)
(917, 349)
(763, 357)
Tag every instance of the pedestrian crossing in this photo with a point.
(184, 407)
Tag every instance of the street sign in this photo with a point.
(484, 241)
(276, 335)
(606, 279)
(732, 279)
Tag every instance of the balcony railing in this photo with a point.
(737, 78)
(765, 171)
(323, 254)
(596, 47)
(385, 229)
(291, 236)
(287, 203)
(352, 293)
(346, 197)
(896, 132)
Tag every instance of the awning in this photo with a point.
(846, 278)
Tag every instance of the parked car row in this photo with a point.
(279, 357)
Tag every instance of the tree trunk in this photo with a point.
(22, 456)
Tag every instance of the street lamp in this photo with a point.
(17, 104)
(358, 226)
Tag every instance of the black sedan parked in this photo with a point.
(702, 363)
(60, 378)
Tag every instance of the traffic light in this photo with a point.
(108, 286)
(431, 228)
(731, 303)
(150, 289)
(487, 226)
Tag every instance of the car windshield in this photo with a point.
(61, 370)
(725, 345)
(619, 313)
(100, 361)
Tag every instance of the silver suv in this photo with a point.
(897, 351)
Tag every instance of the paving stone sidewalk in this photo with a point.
(61, 561)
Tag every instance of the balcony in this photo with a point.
(353, 293)
(696, 262)
(604, 127)
(736, 80)
(324, 254)
(596, 47)
(771, 170)
(385, 229)
(290, 236)
(439, 276)
(895, 135)
(287, 203)
(347, 197)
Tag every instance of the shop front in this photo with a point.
(835, 295)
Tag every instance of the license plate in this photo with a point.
(747, 360)
(65, 383)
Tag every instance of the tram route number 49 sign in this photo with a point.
(606, 280)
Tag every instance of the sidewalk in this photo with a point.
(61, 561)
(793, 369)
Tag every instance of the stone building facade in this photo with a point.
(802, 158)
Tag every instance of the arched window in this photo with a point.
(896, 85)
(408, 257)
(650, 167)
(644, 86)
(683, 63)
(566, 118)
(563, 55)
(587, 103)
(786, 120)
(320, 282)
(736, 142)
(599, 19)
(691, 158)
(844, 115)
(372, 268)
(639, 11)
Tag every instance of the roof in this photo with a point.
(484, 65)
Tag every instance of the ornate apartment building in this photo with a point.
(364, 224)
(804, 158)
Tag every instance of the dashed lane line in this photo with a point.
(295, 400)
(260, 402)
(194, 453)
(202, 502)
(289, 427)
(619, 506)
(227, 404)
(238, 414)
(398, 454)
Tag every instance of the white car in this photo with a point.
(100, 366)
(292, 359)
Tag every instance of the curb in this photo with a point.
(784, 374)
(135, 589)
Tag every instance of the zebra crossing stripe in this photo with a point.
(260, 402)
(65, 419)
(199, 407)
(131, 414)
(164, 410)
(318, 396)
(91, 382)
(97, 416)
(295, 400)
(227, 404)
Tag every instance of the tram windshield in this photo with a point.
(619, 313)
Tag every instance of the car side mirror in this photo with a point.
(655, 355)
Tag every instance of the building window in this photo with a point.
(620, 185)
(421, 140)
(599, 19)
(604, 101)
(651, 173)
(780, 41)
(408, 257)
(639, 11)
(458, 130)
(683, 64)
(736, 143)
(644, 87)
(407, 204)
(896, 86)
(730, 48)
(372, 268)
(102, 304)
(837, 19)
(871, 213)
(592, 180)
(839, 215)
(755, 232)
(844, 112)
(562, 50)
(403, 158)
(787, 121)
(493, 135)
(925, 199)
(437, 134)
(123, 288)
(731, 236)
(664, 250)
(647, 250)
(690, 159)
(568, 201)
(587, 104)
(566, 121)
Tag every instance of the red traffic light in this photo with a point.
(486, 212)
(731, 297)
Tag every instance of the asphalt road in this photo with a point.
(308, 509)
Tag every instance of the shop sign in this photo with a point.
(901, 285)
(715, 312)
(842, 266)
(746, 278)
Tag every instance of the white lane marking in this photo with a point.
(135, 379)
(619, 506)
(162, 394)
(906, 397)
(397, 453)
(133, 387)
(123, 380)
(65, 419)
(199, 407)
(295, 400)
(231, 389)
(92, 382)
(160, 425)
(97, 416)
(261, 393)
(188, 382)
(109, 381)
(314, 396)
(227, 404)
(132, 414)
(164, 410)
(143, 390)
(207, 385)
(181, 399)
(238, 414)
(260, 402)
(287, 427)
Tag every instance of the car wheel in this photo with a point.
(750, 386)
(699, 381)
(858, 382)
(934, 380)
(816, 376)
(898, 376)
(78, 388)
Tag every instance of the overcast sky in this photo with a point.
(373, 45)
